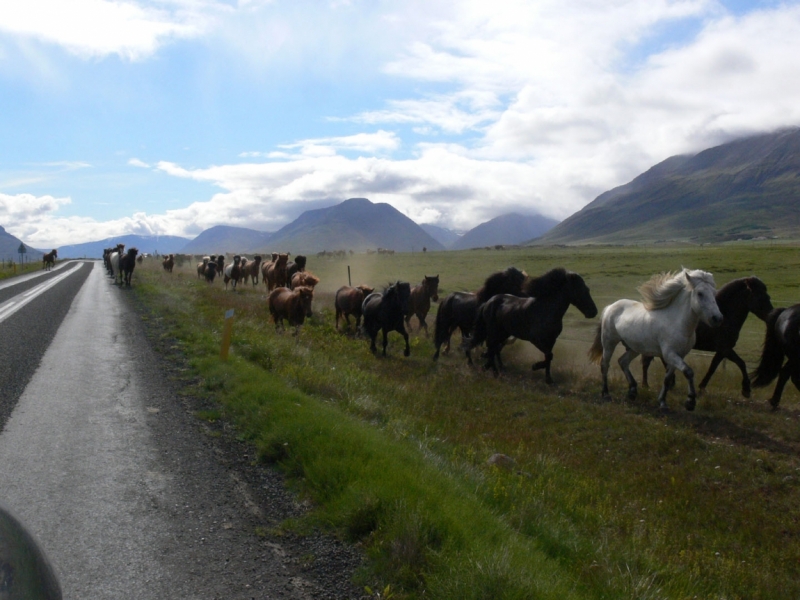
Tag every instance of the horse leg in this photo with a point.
(545, 364)
(677, 363)
(737, 360)
(646, 360)
(407, 351)
(786, 372)
(625, 362)
(423, 324)
(385, 340)
(605, 361)
(712, 368)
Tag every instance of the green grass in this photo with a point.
(605, 500)
(12, 270)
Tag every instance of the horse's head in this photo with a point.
(580, 296)
(305, 296)
(365, 289)
(431, 285)
(703, 296)
(758, 300)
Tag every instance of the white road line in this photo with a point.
(9, 307)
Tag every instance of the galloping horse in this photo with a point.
(459, 309)
(385, 312)
(168, 263)
(113, 261)
(298, 265)
(420, 301)
(276, 272)
(292, 305)
(537, 318)
(782, 340)
(348, 302)
(736, 299)
(126, 265)
(251, 269)
(303, 278)
(49, 260)
(233, 272)
(662, 325)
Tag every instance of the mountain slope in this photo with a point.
(9, 248)
(162, 244)
(445, 237)
(355, 224)
(227, 239)
(746, 188)
(509, 229)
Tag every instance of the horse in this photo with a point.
(663, 325)
(113, 261)
(736, 299)
(292, 305)
(49, 260)
(536, 318)
(276, 272)
(782, 340)
(385, 312)
(126, 265)
(210, 272)
(459, 309)
(420, 301)
(251, 269)
(348, 302)
(168, 263)
(220, 264)
(298, 265)
(303, 278)
(233, 272)
(201, 266)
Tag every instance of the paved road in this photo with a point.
(128, 496)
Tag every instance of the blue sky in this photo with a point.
(169, 117)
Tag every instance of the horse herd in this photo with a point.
(120, 264)
(678, 312)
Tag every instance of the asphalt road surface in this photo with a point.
(130, 495)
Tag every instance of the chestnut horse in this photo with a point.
(251, 269)
(303, 278)
(49, 260)
(298, 265)
(420, 301)
(276, 273)
(292, 305)
(348, 302)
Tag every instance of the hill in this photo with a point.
(446, 237)
(227, 239)
(355, 224)
(743, 189)
(509, 229)
(9, 248)
(152, 244)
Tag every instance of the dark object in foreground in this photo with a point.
(25, 572)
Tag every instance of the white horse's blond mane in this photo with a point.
(661, 289)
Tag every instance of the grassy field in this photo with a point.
(13, 269)
(604, 500)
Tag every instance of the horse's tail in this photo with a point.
(596, 351)
(771, 354)
(442, 329)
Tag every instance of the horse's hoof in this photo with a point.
(664, 408)
(406, 352)
(606, 397)
(549, 380)
(690, 404)
(745, 393)
(774, 403)
(632, 394)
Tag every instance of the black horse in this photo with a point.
(385, 311)
(736, 299)
(127, 263)
(782, 340)
(459, 309)
(537, 318)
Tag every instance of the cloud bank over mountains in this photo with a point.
(478, 109)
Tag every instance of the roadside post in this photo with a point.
(226, 334)
(350, 283)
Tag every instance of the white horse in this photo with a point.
(663, 325)
(114, 261)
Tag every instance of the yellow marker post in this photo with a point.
(226, 335)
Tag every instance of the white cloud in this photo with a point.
(135, 162)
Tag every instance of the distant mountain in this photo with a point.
(355, 224)
(224, 238)
(509, 229)
(446, 237)
(743, 189)
(163, 244)
(9, 248)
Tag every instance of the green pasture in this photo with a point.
(603, 500)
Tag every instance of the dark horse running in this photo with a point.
(782, 340)
(459, 309)
(537, 318)
(386, 312)
(736, 299)
(420, 301)
(49, 260)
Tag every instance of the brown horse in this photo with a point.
(276, 272)
(201, 267)
(348, 302)
(292, 305)
(420, 301)
(298, 265)
(304, 278)
(233, 272)
(126, 265)
(168, 263)
(251, 269)
(49, 260)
